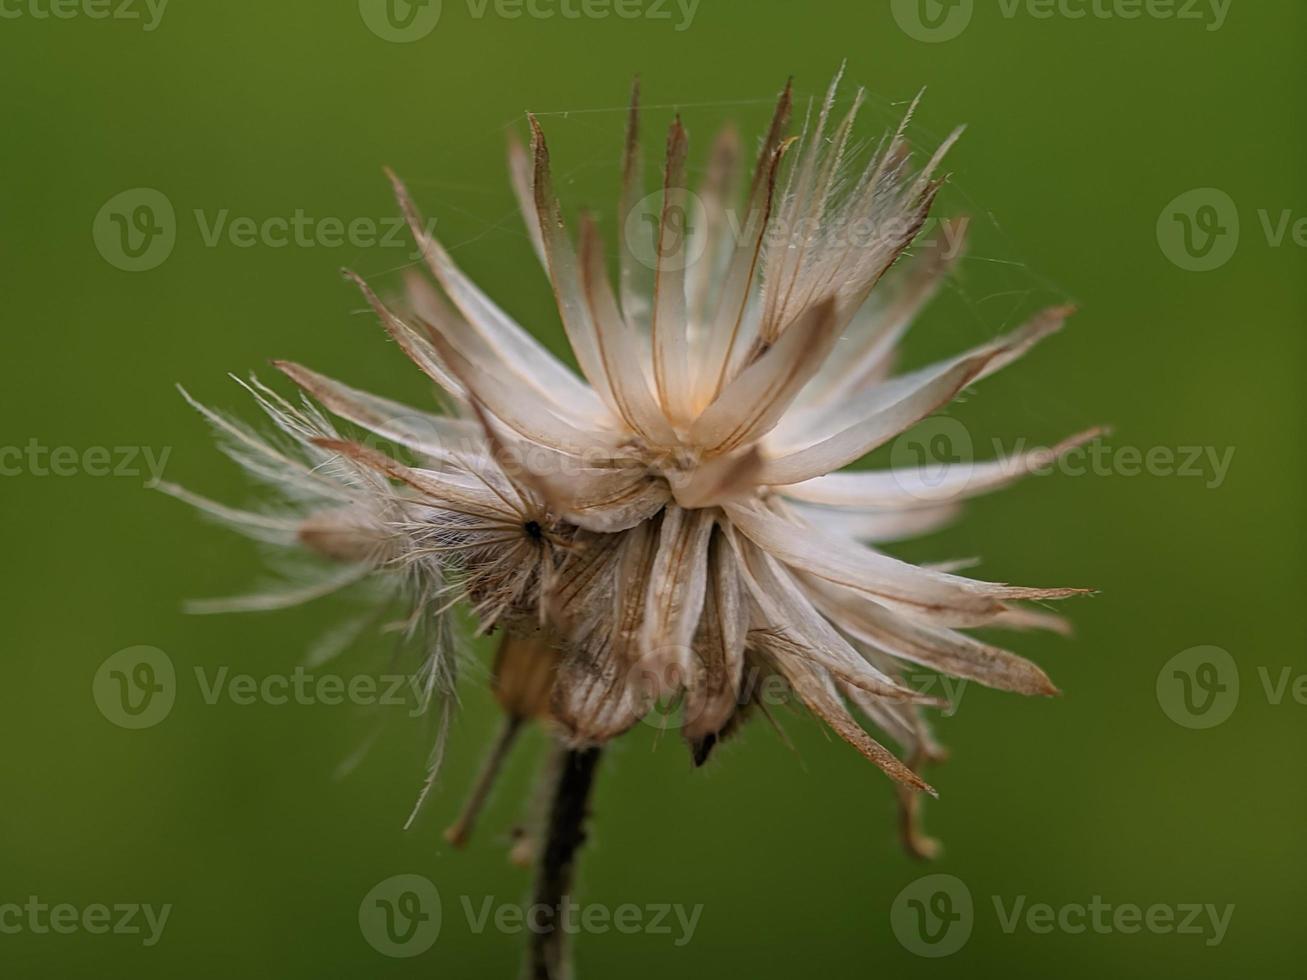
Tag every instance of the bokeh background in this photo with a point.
(1082, 131)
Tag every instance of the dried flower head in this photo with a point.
(670, 523)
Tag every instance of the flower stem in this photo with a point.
(461, 831)
(549, 957)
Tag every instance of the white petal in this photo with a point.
(636, 276)
(677, 587)
(719, 480)
(816, 259)
(525, 355)
(435, 436)
(864, 354)
(877, 526)
(817, 691)
(671, 365)
(520, 174)
(929, 595)
(799, 631)
(415, 345)
(622, 351)
(610, 501)
(753, 403)
(880, 413)
(864, 404)
(444, 490)
(711, 240)
(944, 650)
(517, 407)
(285, 597)
(598, 694)
(844, 447)
(731, 327)
(719, 646)
(564, 272)
(909, 488)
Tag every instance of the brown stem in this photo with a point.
(549, 956)
(915, 840)
(528, 833)
(461, 831)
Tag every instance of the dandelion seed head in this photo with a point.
(673, 522)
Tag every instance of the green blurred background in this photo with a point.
(1080, 133)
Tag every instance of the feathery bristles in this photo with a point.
(670, 525)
